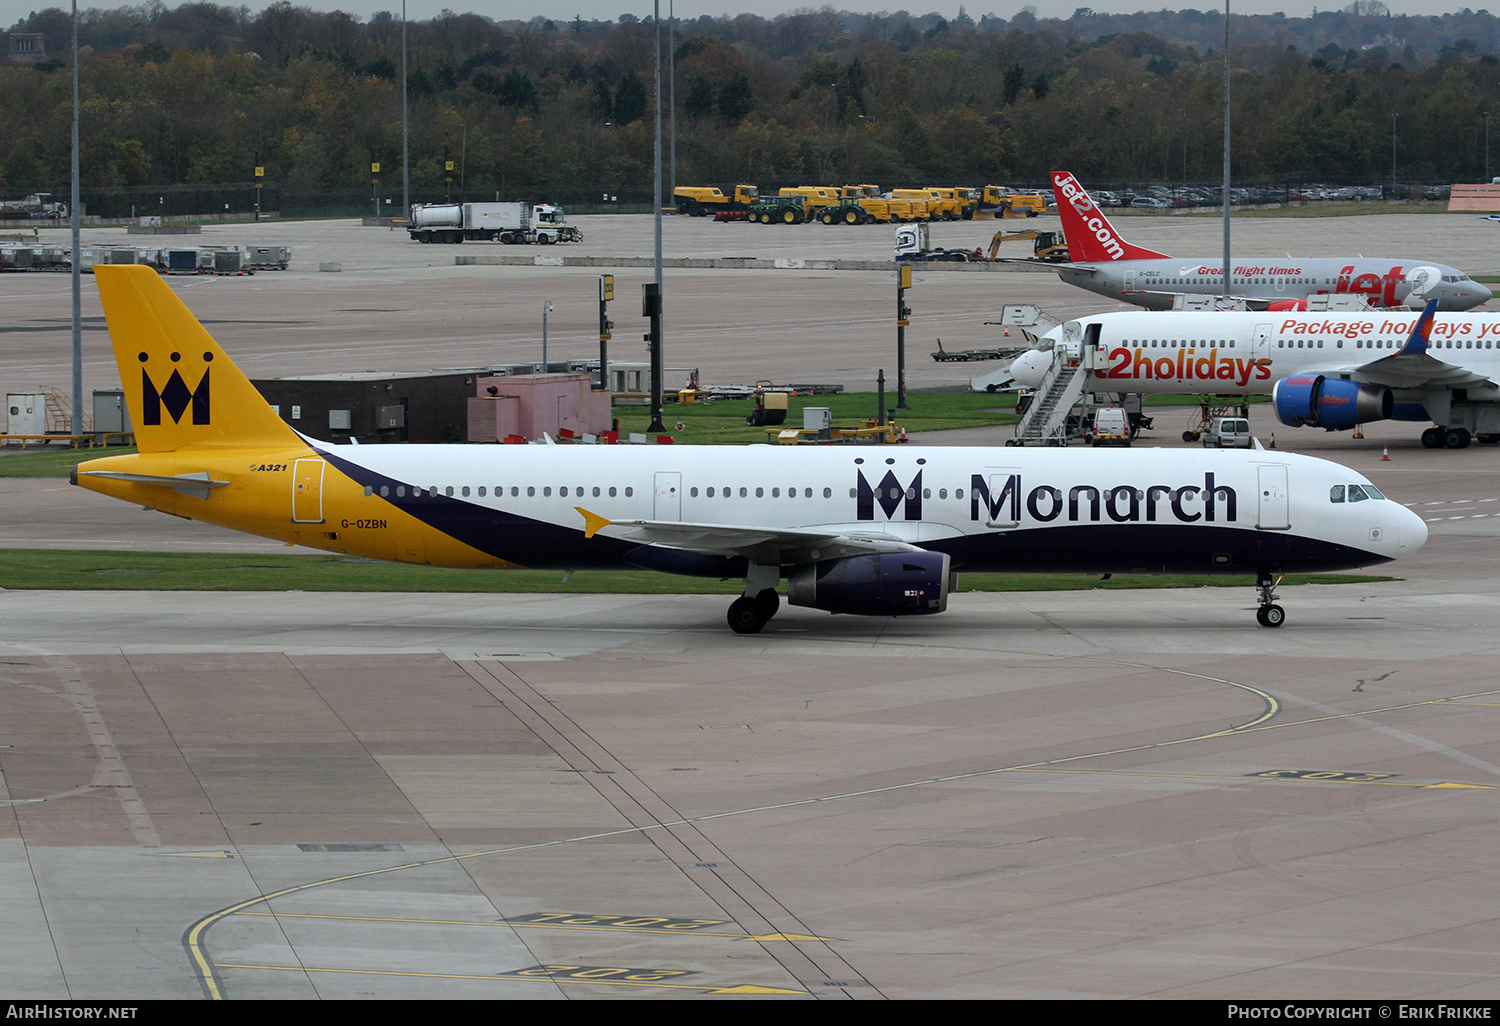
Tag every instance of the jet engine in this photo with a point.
(881, 584)
(1332, 403)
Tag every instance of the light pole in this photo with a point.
(1393, 153)
(546, 309)
(405, 150)
(1487, 146)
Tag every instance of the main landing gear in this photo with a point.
(754, 609)
(1447, 438)
(1269, 614)
(748, 615)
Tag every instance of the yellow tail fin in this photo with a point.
(182, 390)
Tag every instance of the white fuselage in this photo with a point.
(990, 509)
(1383, 282)
(1231, 353)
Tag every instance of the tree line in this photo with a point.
(202, 93)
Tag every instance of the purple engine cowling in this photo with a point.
(881, 584)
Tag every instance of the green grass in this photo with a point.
(89, 570)
(16, 462)
(723, 422)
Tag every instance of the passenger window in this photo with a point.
(465, 491)
(629, 492)
(385, 491)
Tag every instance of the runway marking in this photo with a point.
(533, 921)
(193, 937)
(541, 974)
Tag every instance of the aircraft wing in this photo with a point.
(764, 545)
(1219, 302)
(1413, 367)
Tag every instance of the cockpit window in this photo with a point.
(1355, 493)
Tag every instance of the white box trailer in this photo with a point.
(26, 413)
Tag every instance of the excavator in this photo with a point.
(1049, 246)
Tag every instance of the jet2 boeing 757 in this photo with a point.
(1333, 371)
(1103, 262)
(866, 530)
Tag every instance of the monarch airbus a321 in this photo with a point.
(1103, 262)
(871, 531)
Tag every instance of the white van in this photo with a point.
(1229, 433)
(1111, 426)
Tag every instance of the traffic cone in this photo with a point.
(1385, 454)
(903, 432)
(1359, 431)
(1273, 441)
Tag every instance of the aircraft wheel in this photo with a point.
(1270, 616)
(1458, 438)
(768, 602)
(1434, 438)
(746, 615)
(1190, 436)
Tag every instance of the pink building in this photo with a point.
(530, 405)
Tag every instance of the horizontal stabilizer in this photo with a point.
(196, 485)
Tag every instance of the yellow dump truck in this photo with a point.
(967, 199)
(999, 201)
(935, 205)
(701, 201)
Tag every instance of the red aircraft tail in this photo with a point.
(1091, 238)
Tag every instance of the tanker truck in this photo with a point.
(511, 223)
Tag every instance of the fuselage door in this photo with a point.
(668, 496)
(307, 492)
(1260, 347)
(1129, 283)
(1273, 513)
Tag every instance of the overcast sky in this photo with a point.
(12, 11)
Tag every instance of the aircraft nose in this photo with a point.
(1030, 367)
(1481, 292)
(1411, 532)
